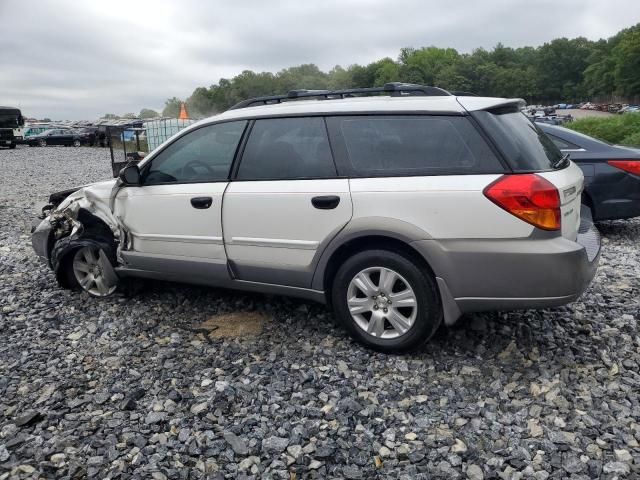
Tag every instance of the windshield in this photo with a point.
(9, 120)
(525, 146)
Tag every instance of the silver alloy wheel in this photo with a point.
(89, 272)
(76, 143)
(382, 302)
(42, 143)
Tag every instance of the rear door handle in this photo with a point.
(201, 202)
(325, 202)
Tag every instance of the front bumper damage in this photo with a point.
(78, 218)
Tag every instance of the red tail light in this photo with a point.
(631, 166)
(529, 197)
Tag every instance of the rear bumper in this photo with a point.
(615, 194)
(618, 209)
(507, 274)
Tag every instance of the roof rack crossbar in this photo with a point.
(395, 89)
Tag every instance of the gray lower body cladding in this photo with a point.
(472, 275)
(477, 275)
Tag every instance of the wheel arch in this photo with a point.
(367, 234)
(95, 233)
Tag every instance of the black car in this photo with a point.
(88, 135)
(611, 172)
(56, 136)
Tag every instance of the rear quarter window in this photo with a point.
(523, 144)
(379, 145)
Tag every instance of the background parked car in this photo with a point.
(56, 136)
(611, 172)
(88, 135)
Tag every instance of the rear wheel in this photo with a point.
(42, 142)
(12, 146)
(76, 143)
(385, 301)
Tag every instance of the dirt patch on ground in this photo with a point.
(232, 325)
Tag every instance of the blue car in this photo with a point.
(611, 172)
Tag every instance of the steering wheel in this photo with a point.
(188, 171)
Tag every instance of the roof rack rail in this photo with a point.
(394, 89)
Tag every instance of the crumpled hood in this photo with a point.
(99, 191)
(96, 199)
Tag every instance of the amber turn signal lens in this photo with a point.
(529, 197)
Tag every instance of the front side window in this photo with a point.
(202, 155)
(412, 145)
(287, 148)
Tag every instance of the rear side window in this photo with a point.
(412, 145)
(287, 148)
(524, 145)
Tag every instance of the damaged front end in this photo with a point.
(81, 221)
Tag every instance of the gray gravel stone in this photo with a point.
(620, 468)
(237, 444)
(274, 444)
(474, 472)
(4, 453)
(142, 390)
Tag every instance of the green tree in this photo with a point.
(172, 108)
(563, 69)
(560, 68)
(148, 113)
(626, 55)
(423, 65)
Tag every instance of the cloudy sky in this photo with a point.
(81, 59)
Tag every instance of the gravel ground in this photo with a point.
(145, 386)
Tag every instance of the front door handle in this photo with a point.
(201, 202)
(325, 202)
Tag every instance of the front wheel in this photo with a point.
(42, 143)
(12, 146)
(386, 302)
(90, 272)
(76, 143)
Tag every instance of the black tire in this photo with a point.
(429, 308)
(12, 146)
(42, 143)
(63, 254)
(77, 143)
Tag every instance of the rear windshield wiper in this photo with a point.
(561, 162)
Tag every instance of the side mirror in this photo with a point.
(130, 175)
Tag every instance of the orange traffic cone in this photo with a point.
(183, 112)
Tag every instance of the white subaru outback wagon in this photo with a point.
(401, 206)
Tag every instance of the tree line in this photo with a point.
(563, 70)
